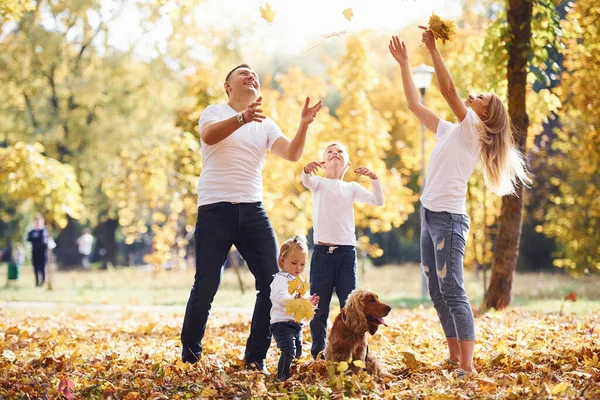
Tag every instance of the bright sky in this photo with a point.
(299, 24)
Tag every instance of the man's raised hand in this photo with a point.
(253, 113)
(313, 166)
(309, 113)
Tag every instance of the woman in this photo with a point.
(483, 133)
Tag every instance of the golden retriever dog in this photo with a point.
(362, 313)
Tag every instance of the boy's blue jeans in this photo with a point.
(219, 225)
(443, 240)
(331, 267)
(288, 336)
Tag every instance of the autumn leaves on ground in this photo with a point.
(102, 354)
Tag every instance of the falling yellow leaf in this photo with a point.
(300, 308)
(442, 29)
(298, 286)
(559, 388)
(348, 13)
(267, 13)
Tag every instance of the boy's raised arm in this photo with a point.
(362, 195)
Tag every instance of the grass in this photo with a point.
(399, 285)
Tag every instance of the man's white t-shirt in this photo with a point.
(451, 165)
(232, 168)
(333, 207)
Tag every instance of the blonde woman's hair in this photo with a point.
(298, 242)
(502, 162)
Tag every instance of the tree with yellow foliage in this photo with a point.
(573, 217)
(30, 179)
(155, 195)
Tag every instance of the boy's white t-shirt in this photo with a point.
(333, 207)
(232, 168)
(451, 165)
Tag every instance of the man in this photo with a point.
(84, 246)
(235, 138)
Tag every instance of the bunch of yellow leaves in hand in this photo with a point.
(298, 286)
(442, 29)
(299, 307)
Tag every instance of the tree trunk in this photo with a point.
(511, 217)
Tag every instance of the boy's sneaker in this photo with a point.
(462, 374)
(260, 367)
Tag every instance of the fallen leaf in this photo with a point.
(559, 388)
(592, 362)
(209, 391)
(571, 296)
(9, 355)
(410, 360)
(66, 388)
(267, 13)
(342, 366)
(348, 13)
(359, 363)
(486, 385)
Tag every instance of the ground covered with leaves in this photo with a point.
(125, 355)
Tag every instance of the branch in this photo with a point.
(30, 110)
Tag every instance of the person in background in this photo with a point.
(84, 246)
(38, 237)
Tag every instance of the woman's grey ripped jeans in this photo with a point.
(443, 241)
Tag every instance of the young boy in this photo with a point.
(333, 262)
(286, 331)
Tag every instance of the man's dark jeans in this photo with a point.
(331, 267)
(220, 225)
(288, 336)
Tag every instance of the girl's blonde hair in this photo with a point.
(502, 162)
(298, 242)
